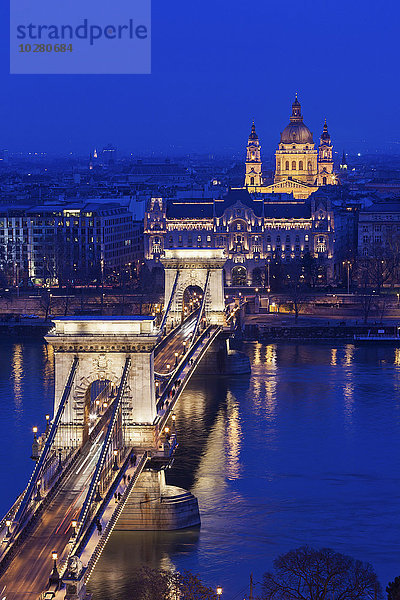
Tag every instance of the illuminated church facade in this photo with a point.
(300, 168)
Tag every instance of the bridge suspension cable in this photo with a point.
(203, 303)
(38, 470)
(116, 413)
(164, 320)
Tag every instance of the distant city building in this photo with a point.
(66, 242)
(379, 228)
(300, 168)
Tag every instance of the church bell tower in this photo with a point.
(326, 176)
(253, 176)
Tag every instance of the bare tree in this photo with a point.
(393, 589)
(296, 287)
(150, 584)
(311, 574)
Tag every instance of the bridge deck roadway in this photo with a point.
(166, 355)
(28, 573)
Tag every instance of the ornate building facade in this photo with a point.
(260, 226)
(254, 230)
(300, 168)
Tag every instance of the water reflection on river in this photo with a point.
(305, 451)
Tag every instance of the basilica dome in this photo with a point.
(296, 132)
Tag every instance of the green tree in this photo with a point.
(320, 574)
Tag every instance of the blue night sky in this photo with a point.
(216, 65)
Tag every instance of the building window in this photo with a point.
(321, 245)
(324, 181)
(287, 165)
(238, 227)
(309, 165)
(251, 180)
(301, 165)
(293, 165)
(365, 239)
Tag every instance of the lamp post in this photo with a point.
(268, 282)
(115, 465)
(47, 424)
(219, 591)
(59, 459)
(168, 367)
(35, 445)
(74, 525)
(55, 576)
(184, 344)
(347, 263)
(8, 525)
(157, 389)
(173, 422)
(38, 496)
(98, 497)
(176, 359)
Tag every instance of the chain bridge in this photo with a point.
(100, 464)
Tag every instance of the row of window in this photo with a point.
(295, 166)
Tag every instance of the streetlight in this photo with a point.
(35, 445)
(347, 263)
(115, 465)
(184, 345)
(173, 422)
(219, 591)
(98, 497)
(168, 367)
(8, 525)
(55, 576)
(176, 359)
(47, 424)
(74, 525)
(38, 496)
(157, 390)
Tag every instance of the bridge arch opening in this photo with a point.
(239, 276)
(192, 297)
(98, 396)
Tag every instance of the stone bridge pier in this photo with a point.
(102, 346)
(200, 267)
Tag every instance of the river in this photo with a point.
(305, 451)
